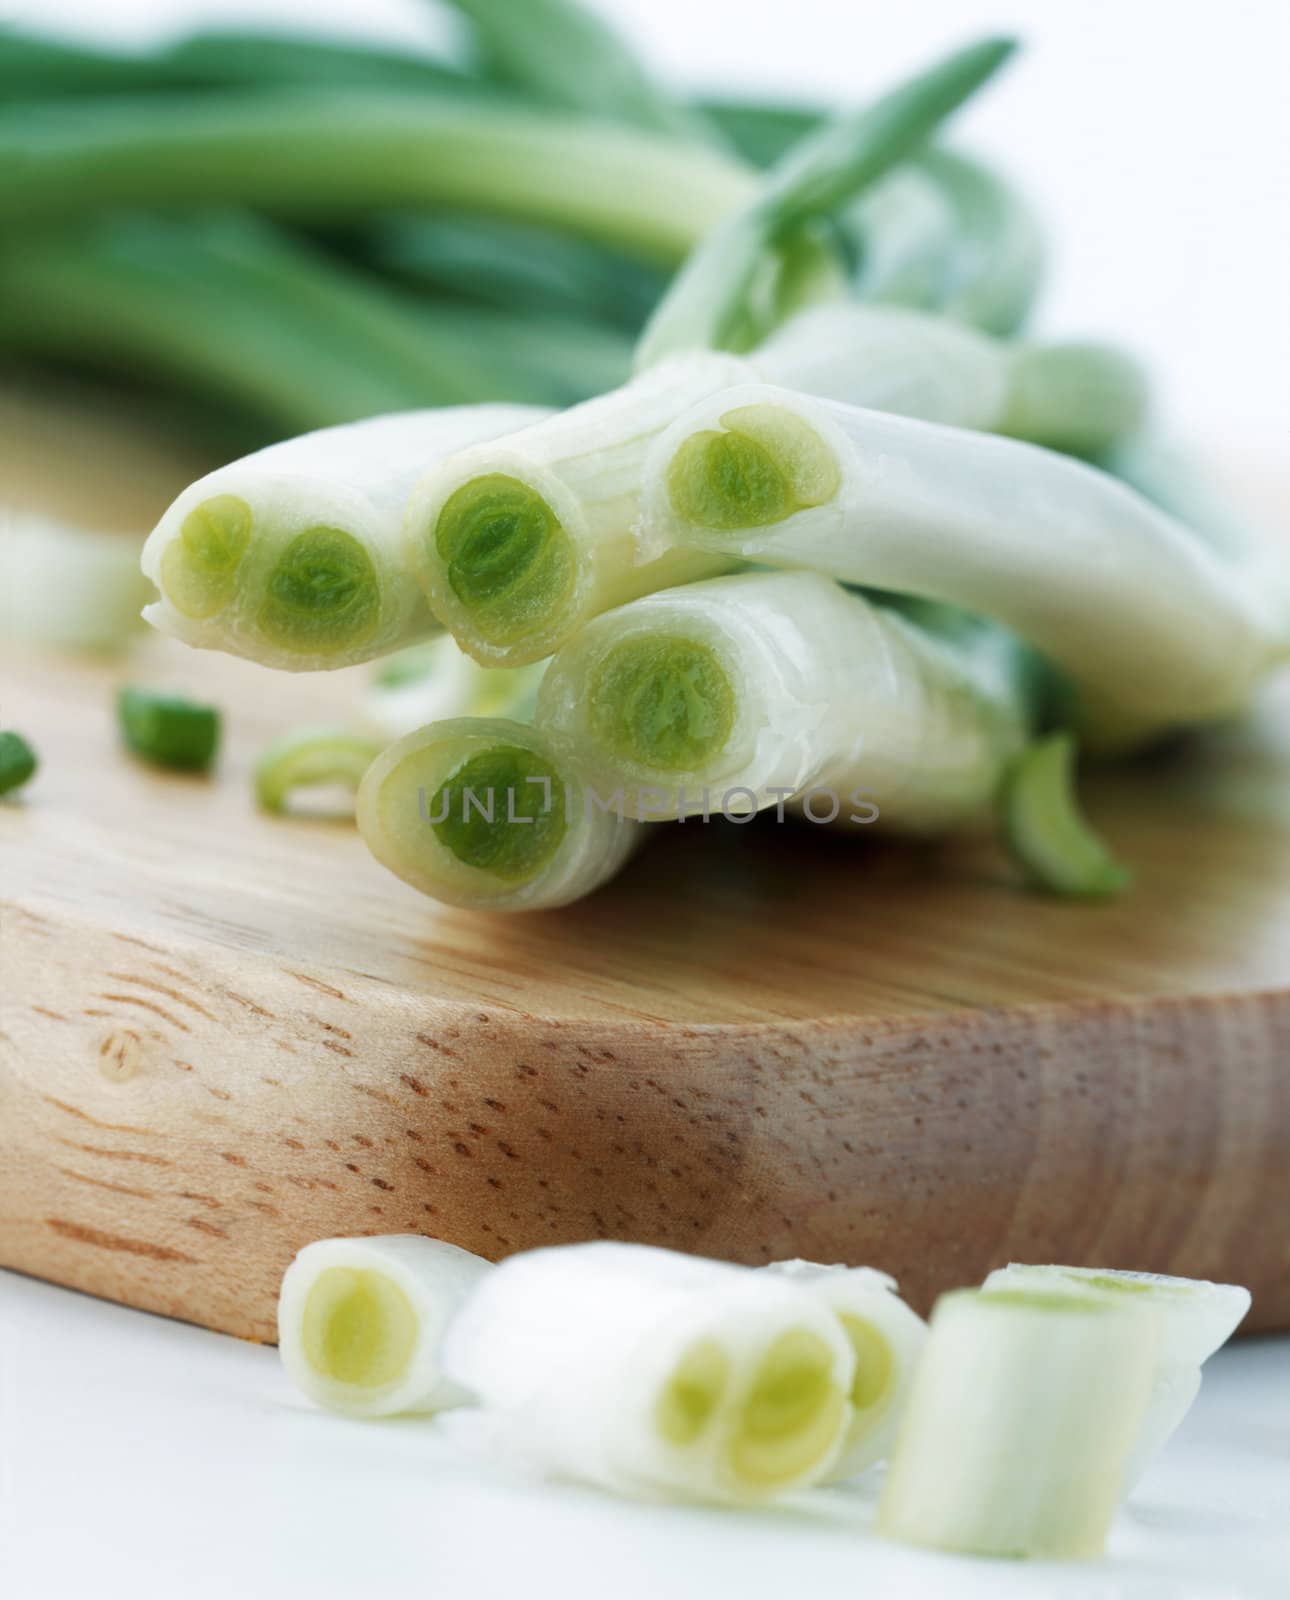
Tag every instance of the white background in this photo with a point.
(1153, 134)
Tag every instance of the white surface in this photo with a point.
(1153, 134)
(144, 1458)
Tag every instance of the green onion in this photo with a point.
(515, 546)
(517, 543)
(652, 1372)
(308, 758)
(167, 730)
(1153, 630)
(17, 761)
(887, 1339)
(340, 154)
(290, 556)
(682, 702)
(490, 814)
(942, 233)
(1045, 832)
(708, 298)
(1195, 1317)
(361, 1322)
(1022, 1416)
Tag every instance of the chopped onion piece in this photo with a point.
(17, 761)
(651, 1372)
(887, 1338)
(1021, 1419)
(361, 1321)
(309, 758)
(1196, 1317)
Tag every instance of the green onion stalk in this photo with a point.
(1154, 630)
(783, 689)
(491, 814)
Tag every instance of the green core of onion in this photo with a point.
(693, 1393)
(663, 702)
(322, 595)
(874, 1363)
(766, 465)
(199, 569)
(359, 1328)
(508, 559)
(790, 1415)
(502, 812)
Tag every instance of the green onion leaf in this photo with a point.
(707, 301)
(168, 730)
(17, 761)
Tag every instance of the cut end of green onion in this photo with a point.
(766, 465)
(309, 758)
(17, 761)
(322, 595)
(168, 730)
(1022, 1417)
(359, 1328)
(199, 568)
(476, 812)
(502, 812)
(506, 557)
(1045, 832)
(360, 1322)
(664, 703)
(1199, 1316)
(790, 1415)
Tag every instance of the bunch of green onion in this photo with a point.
(1013, 1426)
(825, 531)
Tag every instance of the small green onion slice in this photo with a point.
(1022, 1416)
(1045, 832)
(308, 758)
(361, 1322)
(167, 730)
(17, 761)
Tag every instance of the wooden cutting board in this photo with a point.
(224, 1035)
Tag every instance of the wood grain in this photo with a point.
(223, 1035)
